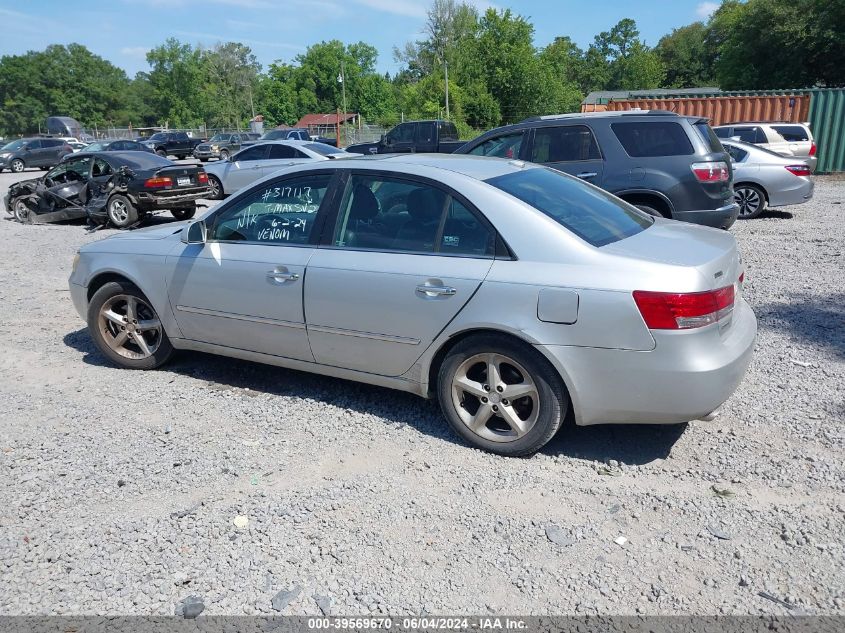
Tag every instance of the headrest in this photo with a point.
(425, 205)
(364, 204)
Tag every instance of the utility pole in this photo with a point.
(343, 90)
(446, 70)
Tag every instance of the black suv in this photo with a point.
(666, 164)
(33, 152)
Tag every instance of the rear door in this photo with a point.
(246, 167)
(568, 148)
(33, 155)
(399, 262)
(425, 137)
(400, 139)
(243, 287)
(282, 156)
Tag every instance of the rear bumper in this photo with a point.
(686, 376)
(721, 218)
(799, 194)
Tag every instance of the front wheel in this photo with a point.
(224, 155)
(121, 211)
(751, 201)
(216, 187)
(19, 210)
(126, 328)
(183, 214)
(501, 396)
(17, 166)
(161, 153)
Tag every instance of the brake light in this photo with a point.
(711, 172)
(799, 170)
(674, 311)
(202, 178)
(812, 148)
(158, 183)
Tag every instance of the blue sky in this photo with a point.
(123, 30)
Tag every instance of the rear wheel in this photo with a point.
(126, 328)
(161, 153)
(17, 166)
(180, 157)
(121, 211)
(501, 396)
(183, 214)
(751, 201)
(216, 187)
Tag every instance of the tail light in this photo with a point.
(202, 178)
(799, 170)
(711, 172)
(673, 311)
(812, 148)
(158, 183)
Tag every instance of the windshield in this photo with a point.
(592, 214)
(325, 150)
(14, 145)
(96, 147)
(219, 137)
(158, 137)
(274, 135)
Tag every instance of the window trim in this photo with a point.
(319, 218)
(500, 248)
(527, 138)
(649, 156)
(529, 152)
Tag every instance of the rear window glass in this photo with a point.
(723, 132)
(324, 149)
(736, 153)
(709, 137)
(750, 134)
(143, 160)
(590, 213)
(792, 133)
(653, 138)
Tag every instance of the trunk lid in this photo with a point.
(183, 176)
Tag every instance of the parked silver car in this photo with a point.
(510, 291)
(764, 179)
(262, 159)
(786, 139)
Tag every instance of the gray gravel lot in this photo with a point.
(121, 489)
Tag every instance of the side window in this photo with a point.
(425, 132)
(653, 138)
(792, 133)
(181, 136)
(448, 131)
(564, 144)
(722, 132)
(256, 152)
(100, 168)
(279, 151)
(391, 214)
(464, 234)
(280, 212)
(298, 154)
(36, 144)
(77, 169)
(736, 153)
(747, 134)
(506, 146)
(402, 134)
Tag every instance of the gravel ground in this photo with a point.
(124, 491)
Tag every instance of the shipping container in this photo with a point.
(722, 110)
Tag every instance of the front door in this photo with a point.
(245, 167)
(569, 148)
(282, 156)
(243, 287)
(404, 258)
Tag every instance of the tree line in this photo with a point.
(497, 74)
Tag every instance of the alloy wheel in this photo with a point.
(495, 397)
(118, 211)
(216, 188)
(20, 210)
(749, 201)
(17, 166)
(130, 327)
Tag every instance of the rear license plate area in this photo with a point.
(183, 181)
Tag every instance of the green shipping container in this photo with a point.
(827, 120)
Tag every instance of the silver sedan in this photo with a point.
(259, 160)
(763, 179)
(513, 293)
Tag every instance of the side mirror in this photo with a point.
(194, 233)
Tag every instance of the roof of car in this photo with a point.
(735, 123)
(599, 115)
(478, 167)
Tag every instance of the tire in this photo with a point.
(19, 210)
(114, 332)
(751, 200)
(649, 210)
(463, 392)
(216, 188)
(17, 166)
(203, 160)
(161, 153)
(224, 154)
(181, 157)
(121, 211)
(183, 214)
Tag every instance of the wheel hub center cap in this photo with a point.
(495, 398)
(130, 328)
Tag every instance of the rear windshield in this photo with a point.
(324, 149)
(592, 214)
(143, 160)
(653, 138)
(792, 133)
(709, 137)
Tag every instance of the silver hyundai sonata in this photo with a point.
(513, 293)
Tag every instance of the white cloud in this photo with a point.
(408, 8)
(137, 52)
(705, 9)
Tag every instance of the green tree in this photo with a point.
(230, 80)
(276, 95)
(177, 81)
(686, 56)
(631, 65)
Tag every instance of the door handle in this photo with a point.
(434, 291)
(587, 175)
(282, 275)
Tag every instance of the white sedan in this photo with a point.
(262, 159)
